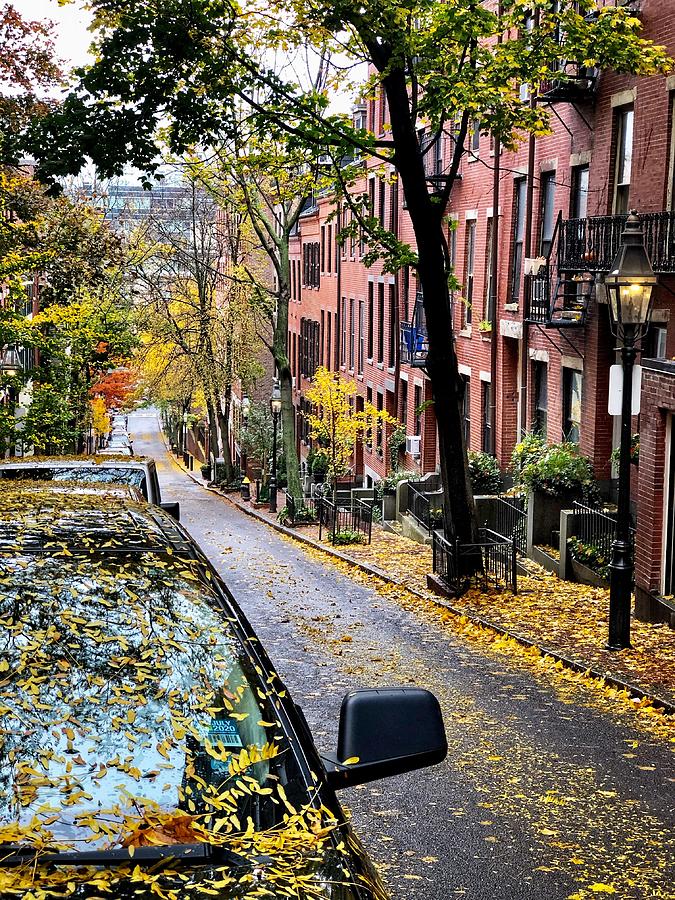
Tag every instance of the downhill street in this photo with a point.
(550, 790)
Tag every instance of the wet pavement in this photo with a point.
(550, 789)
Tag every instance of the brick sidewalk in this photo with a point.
(560, 617)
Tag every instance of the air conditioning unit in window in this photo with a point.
(412, 444)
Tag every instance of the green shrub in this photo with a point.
(590, 556)
(634, 452)
(486, 477)
(320, 463)
(390, 481)
(560, 470)
(525, 452)
(348, 537)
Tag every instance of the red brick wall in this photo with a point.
(658, 400)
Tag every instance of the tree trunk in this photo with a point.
(426, 218)
(280, 353)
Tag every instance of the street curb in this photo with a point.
(665, 706)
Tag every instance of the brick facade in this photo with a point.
(581, 152)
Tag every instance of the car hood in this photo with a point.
(341, 873)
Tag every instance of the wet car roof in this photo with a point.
(40, 517)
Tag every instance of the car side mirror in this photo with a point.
(386, 732)
(173, 509)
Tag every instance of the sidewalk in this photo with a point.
(562, 619)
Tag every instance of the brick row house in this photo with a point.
(534, 347)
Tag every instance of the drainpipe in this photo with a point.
(494, 272)
(494, 293)
(529, 217)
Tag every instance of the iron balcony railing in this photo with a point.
(590, 244)
(414, 336)
(574, 84)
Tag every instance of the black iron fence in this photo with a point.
(511, 520)
(336, 518)
(596, 527)
(303, 513)
(491, 562)
(419, 506)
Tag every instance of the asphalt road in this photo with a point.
(551, 789)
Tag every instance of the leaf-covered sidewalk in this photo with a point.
(558, 616)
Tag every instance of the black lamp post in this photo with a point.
(275, 405)
(245, 408)
(630, 285)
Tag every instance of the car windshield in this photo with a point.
(128, 707)
(88, 474)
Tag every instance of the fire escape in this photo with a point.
(414, 336)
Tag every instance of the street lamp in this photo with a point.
(630, 285)
(10, 362)
(183, 437)
(275, 405)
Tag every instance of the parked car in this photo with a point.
(148, 746)
(139, 471)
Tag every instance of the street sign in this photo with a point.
(616, 390)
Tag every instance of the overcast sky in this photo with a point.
(70, 32)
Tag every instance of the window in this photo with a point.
(343, 340)
(362, 312)
(393, 205)
(475, 137)
(579, 193)
(624, 160)
(452, 245)
(329, 340)
(369, 432)
(466, 408)
(547, 212)
(380, 322)
(322, 337)
(488, 271)
(393, 329)
(571, 405)
(311, 264)
(486, 402)
(383, 110)
(352, 237)
(309, 347)
(294, 359)
(329, 250)
(323, 248)
(371, 323)
(519, 202)
(655, 345)
(469, 261)
(379, 429)
(406, 293)
(351, 334)
(403, 403)
(540, 382)
(417, 400)
(383, 203)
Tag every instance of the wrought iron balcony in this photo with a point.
(590, 245)
(414, 337)
(576, 84)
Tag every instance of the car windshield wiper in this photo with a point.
(199, 854)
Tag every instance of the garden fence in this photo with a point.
(493, 556)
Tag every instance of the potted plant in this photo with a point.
(485, 326)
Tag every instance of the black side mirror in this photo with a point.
(173, 509)
(386, 732)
